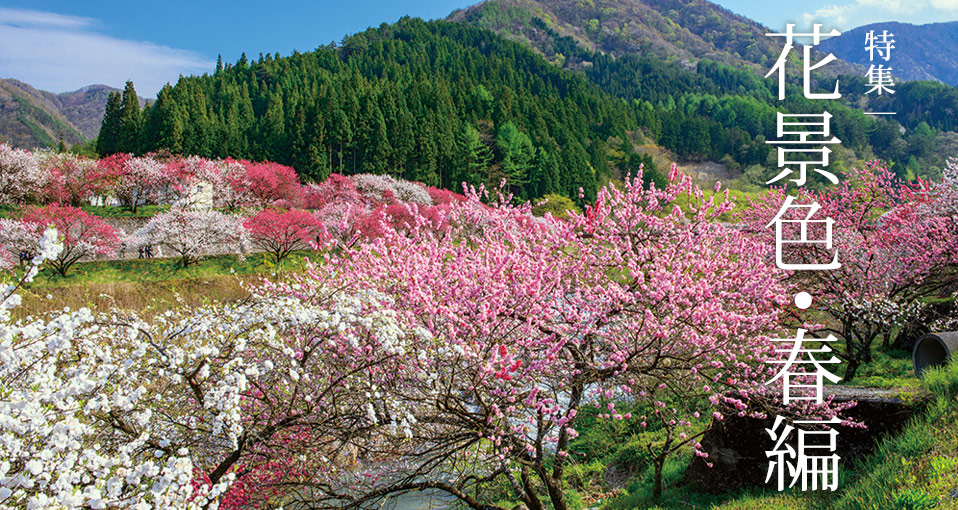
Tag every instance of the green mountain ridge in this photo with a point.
(445, 103)
(32, 118)
(440, 103)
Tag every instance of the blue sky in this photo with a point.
(60, 45)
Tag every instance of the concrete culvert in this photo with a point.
(933, 350)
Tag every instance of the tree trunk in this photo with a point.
(886, 340)
(532, 499)
(657, 478)
(555, 492)
(851, 369)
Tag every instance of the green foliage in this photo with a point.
(108, 141)
(143, 211)
(556, 205)
(892, 369)
(942, 381)
(130, 121)
(165, 269)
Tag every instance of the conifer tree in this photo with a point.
(109, 137)
(130, 122)
(516, 152)
(474, 159)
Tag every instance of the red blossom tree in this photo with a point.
(271, 182)
(71, 179)
(82, 234)
(281, 232)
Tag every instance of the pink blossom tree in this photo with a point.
(894, 251)
(281, 232)
(20, 175)
(339, 205)
(183, 176)
(135, 181)
(234, 190)
(335, 189)
(531, 320)
(82, 234)
(192, 234)
(71, 179)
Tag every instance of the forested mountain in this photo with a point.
(443, 103)
(921, 52)
(671, 30)
(439, 102)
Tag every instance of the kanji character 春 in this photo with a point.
(799, 354)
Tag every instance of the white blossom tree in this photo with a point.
(20, 174)
(192, 234)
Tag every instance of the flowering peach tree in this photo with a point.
(271, 182)
(281, 232)
(191, 234)
(70, 179)
(83, 235)
(134, 181)
(20, 175)
(896, 245)
(534, 319)
(219, 406)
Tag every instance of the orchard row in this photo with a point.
(214, 203)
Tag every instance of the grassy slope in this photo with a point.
(914, 470)
(153, 284)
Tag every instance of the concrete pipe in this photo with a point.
(934, 349)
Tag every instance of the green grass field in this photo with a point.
(146, 285)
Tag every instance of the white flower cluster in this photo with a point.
(377, 186)
(104, 411)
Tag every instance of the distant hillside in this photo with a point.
(30, 117)
(84, 107)
(922, 52)
(672, 30)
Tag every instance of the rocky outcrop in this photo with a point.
(737, 445)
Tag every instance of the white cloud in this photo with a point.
(862, 12)
(60, 53)
(945, 5)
